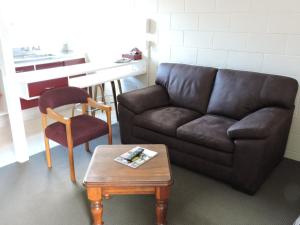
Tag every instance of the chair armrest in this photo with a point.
(94, 104)
(58, 117)
(257, 125)
(141, 100)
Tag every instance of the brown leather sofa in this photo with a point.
(231, 125)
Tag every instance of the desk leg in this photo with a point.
(120, 86)
(95, 197)
(101, 86)
(113, 87)
(90, 92)
(162, 196)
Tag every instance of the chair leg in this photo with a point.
(109, 136)
(87, 147)
(48, 152)
(110, 139)
(70, 150)
(71, 162)
(46, 140)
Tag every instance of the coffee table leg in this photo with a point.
(162, 196)
(95, 197)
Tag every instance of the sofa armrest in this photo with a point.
(257, 125)
(143, 99)
(260, 141)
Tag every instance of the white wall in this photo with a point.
(97, 28)
(101, 29)
(255, 35)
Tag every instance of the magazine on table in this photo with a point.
(136, 157)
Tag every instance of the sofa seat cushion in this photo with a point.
(208, 130)
(201, 152)
(165, 120)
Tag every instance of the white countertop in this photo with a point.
(52, 59)
(66, 71)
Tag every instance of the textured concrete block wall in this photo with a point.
(255, 35)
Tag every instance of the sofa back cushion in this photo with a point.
(238, 93)
(188, 86)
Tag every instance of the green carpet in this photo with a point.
(30, 194)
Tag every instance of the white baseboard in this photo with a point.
(295, 155)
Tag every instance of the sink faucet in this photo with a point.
(36, 48)
(25, 49)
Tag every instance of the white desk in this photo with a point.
(97, 73)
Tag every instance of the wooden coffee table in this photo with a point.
(105, 177)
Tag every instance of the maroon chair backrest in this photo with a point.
(61, 96)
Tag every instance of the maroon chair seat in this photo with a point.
(83, 129)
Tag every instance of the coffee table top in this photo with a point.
(104, 171)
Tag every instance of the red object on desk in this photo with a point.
(134, 54)
(133, 57)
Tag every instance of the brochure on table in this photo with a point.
(136, 157)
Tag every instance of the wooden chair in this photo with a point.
(73, 131)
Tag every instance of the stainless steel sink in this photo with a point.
(29, 54)
(33, 57)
